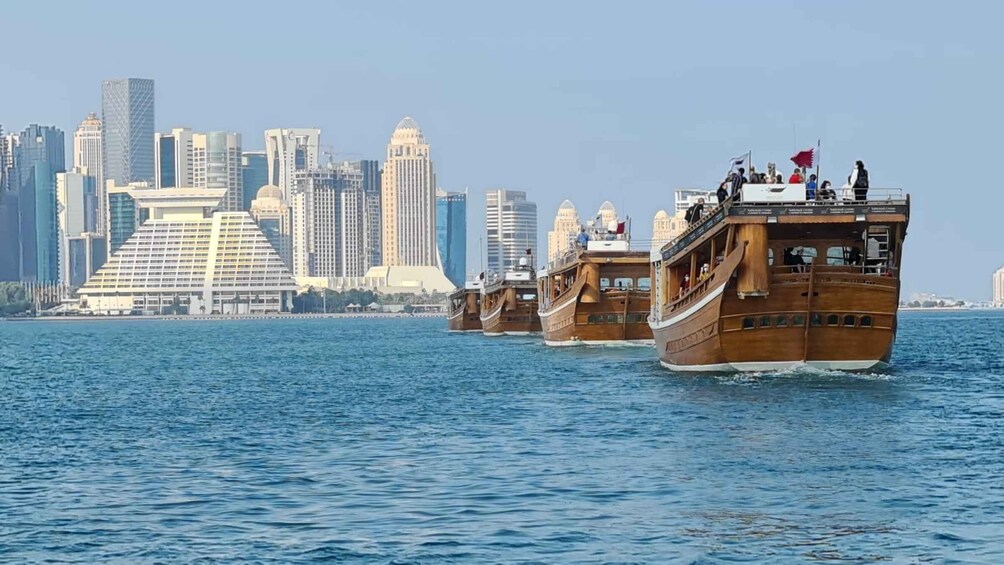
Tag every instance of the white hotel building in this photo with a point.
(182, 262)
(998, 295)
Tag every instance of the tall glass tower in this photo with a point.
(127, 119)
(40, 154)
(254, 175)
(451, 234)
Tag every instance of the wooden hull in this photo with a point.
(521, 321)
(619, 317)
(464, 321)
(849, 324)
(465, 313)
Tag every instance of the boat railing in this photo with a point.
(571, 255)
(711, 217)
(881, 275)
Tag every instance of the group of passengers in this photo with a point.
(855, 189)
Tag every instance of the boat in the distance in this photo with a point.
(596, 294)
(788, 282)
(465, 308)
(509, 303)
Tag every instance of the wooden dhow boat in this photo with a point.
(509, 304)
(788, 282)
(597, 294)
(465, 308)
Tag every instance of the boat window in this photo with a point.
(798, 320)
(528, 296)
(604, 283)
(623, 282)
(611, 318)
(866, 321)
(748, 324)
(765, 321)
(816, 320)
(832, 320)
(591, 319)
(843, 255)
(781, 321)
(770, 256)
(645, 283)
(849, 320)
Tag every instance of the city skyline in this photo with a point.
(605, 117)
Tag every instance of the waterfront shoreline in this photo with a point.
(218, 317)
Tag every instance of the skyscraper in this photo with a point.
(374, 219)
(127, 111)
(123, 214)
(451, 234)
(408, 199)
(216, 162)
(86, 253)
(316, 245)
(290, 150)
(10, 238)
(76, 196)
(173, 165)
(254, 175)
(998, 297)
(39, 155)
(87, 159)
(566, 228)
(512, 229)
(352, 227)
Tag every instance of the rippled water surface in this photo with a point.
(392, 441)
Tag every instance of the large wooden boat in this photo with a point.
(465, 308)
(596, 295)
(509, 305)
(789, 282)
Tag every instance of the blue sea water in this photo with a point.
(392, 441)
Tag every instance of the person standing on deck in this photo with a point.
(583, 239)
(723, 193)
(810, 188)
(859, 181)
(738, 180)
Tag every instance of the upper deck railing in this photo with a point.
(571, 255)
(774, 200)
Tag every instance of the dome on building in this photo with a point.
(567, 205)
(662, 215)
(269, 191)
(407, 123)
(607, 206)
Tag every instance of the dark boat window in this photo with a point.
(839, 256)
(781, 322)
(817, 320)
(748, 324)
(645, 283)
(849, 320)
(866, 321)
(611, 318)
(765, 321)
(798, 320)
(832, 320)
(591, 319)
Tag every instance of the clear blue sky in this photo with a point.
(582, 100)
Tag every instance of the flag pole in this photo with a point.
(819, 181)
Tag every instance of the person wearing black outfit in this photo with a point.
(722, 193)
(859, 181)
(738, 180)
(695, 212)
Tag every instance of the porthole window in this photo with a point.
(866, 321)
(816, 320)
(798, 320)
(765, 321)
(849, 320)
(611, 318)
(781, 322)
(832, 320)
(748, 324)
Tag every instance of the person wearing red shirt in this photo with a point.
(796, 177)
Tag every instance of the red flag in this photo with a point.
(803, 158)
(620, 227)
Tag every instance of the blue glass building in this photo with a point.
(254, 175)
(39, 155)
(127, 110)
(451, 234)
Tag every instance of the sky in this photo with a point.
(584, 100)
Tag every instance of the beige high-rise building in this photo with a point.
(290, 151)
(408, 199)
(998, 297)
(274, 217)
(566, 228)
(87, 159)
(216, 163)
